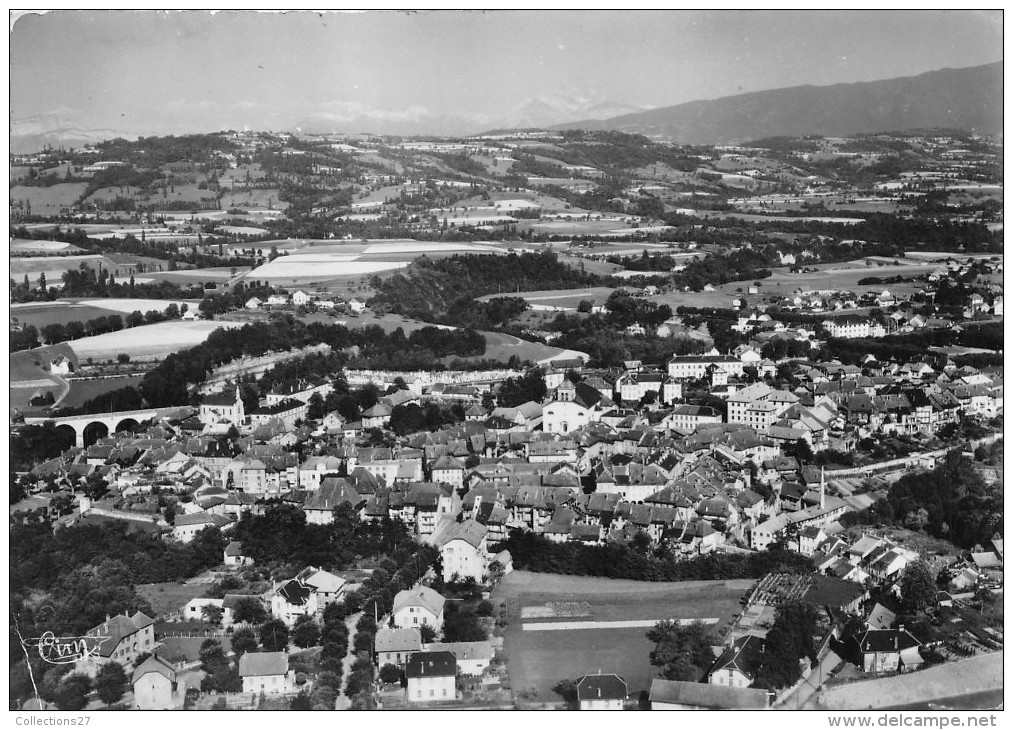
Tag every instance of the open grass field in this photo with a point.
(498, 346)
(165, 597)
(540, 659)
(842, 276)
(254, 198)
(28, 377)
(148, 342)
(48, 201)
(567, 298)
(39, 314)
(83, 390)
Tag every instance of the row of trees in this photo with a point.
(534, 552)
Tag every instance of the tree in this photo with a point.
(123, 358)
(249, 610)
(682, 652)
(301, 702)
(801, 450)
(72, 693)
(428, 633)
(274, 635)
(244, 641)
(212, 655)
(110, 682)
(567, 689)
(789, 640)
(212, 613)
(305, 633)
(917, 587)
(390, 674)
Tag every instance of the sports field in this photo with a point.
(619, 613)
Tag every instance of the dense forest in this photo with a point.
(68, 580)
(168, 384)
(952, 502)
(443, 291)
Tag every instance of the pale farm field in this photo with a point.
(148, 342)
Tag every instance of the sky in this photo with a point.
(177, 71)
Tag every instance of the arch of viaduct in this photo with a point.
(93, 423)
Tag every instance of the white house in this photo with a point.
(394, 646)
(301, 298)
(417, 607)
(473, 657)
(265, 672)
(157, 687)
(464, 549)
(431, 677)
(186, 527)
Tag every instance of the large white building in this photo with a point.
(853, 327)
(758, 405)
(572, 408)
(695, 366)
(464, 549)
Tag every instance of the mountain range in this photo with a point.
(965, 98)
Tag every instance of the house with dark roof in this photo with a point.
(889, 650)
(234, 556)
(118, 639)
(226, 407)
(431, 676)
(602, 692)
(738, 664)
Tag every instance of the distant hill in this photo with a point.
(964, 98)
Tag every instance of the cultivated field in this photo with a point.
(147, 342)
(316, 267)
(540, 659)
(187, 277)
